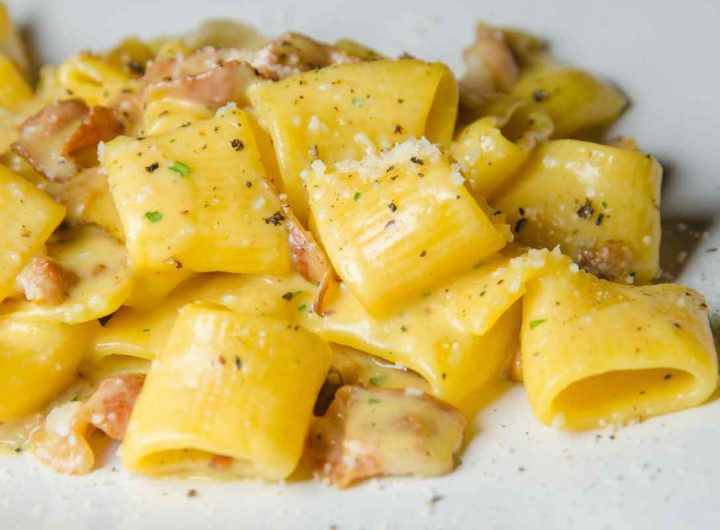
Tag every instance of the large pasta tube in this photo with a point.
(426, 338)
(492, 149)
(143, 332)
(230, 385)
(576, 101)
(27, 217)
(597, 353)
(197, 198)
(86, 276)
(37, 360)
(338, 113)
(599, 203)
(396, 225)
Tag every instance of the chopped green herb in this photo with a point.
(536, 323)
(153, 216)
(358, 102)
(425, 295)
(303, 307)
(377, 380)
(146, 330)
(75, 398)
(181, 169)
(604, 204)
(374, 401)
(357, 196)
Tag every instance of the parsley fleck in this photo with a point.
(75, 398)
(152, 167)
(604, 204)
(146, 330)
(153, 216)
(303, 307)
(377, 380)
(181, 169)
(536, 323)
(374, 401)
(357, 196)
(358, 102)
(416, 160)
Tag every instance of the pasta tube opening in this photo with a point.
(623, 396)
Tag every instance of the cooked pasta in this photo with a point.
(239, 256)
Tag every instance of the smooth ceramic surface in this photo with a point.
(663, 473)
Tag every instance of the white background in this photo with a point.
(664, 473)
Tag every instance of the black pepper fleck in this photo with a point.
(539, 95)
(586, 210)
(275, 219)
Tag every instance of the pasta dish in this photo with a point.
(226, 255)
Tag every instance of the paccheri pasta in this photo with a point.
(239, 256)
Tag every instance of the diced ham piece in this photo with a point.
(50, 139)
(61, 444)
(44, 281)
(370, 431)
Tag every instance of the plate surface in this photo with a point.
(663, 473)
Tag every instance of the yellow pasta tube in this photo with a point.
(152, 287)
(37, 361)
(27, 217)
(227, 384)
(340, 112)
(14, 89)
(599, 203)
(143, 332)
(93, 277)
(164, 114)
(11, 43)
(576, 101)
(88, 77)
(426, 338)
(492, 149)
(196, 198)
(396, 225)
(478, 299)
(596, 353)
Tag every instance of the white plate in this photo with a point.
(664, 473)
